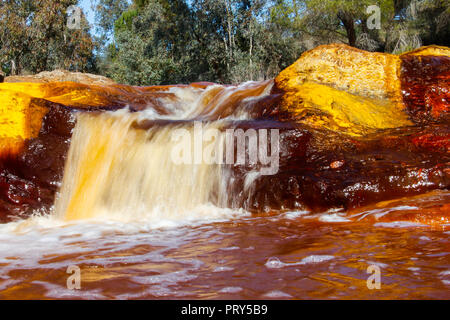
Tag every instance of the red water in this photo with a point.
(290, 255)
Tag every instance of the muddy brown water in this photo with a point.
(290, 255)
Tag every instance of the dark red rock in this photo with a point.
(29, 181)
(380, 167)
(425, 83)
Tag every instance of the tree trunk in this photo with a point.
(349, 26)
(251, 60)
(229, 27)
(251, 42)
(13, 68)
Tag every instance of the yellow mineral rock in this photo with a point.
(429, 51)
(67, 93)
(23, 106)
(20, 119)
(345, 89)
(323, 106)
(369, 74)
(62, 76)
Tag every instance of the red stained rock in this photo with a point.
(29, 181)
(337, 164)
(425, 82)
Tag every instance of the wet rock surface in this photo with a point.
(30, 179)
(355, 128)
(320, 170)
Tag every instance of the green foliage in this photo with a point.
(34, 37)
(106, 13)
(125, 21)
(431, 20)
(174, 41)
(145, 42)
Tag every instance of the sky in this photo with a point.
(86, 5)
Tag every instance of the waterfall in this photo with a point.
(116, 170)
(121, 164)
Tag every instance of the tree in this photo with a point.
(107, 12)
(404, 24)
(431, 20)
(168, 41)
(34, 37)
(173, 41)
(346, 17)
(143, 50)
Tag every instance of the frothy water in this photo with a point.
(236, 256)
(214, 102)
(117, 172)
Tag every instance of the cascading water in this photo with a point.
(117, 170)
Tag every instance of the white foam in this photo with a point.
(158, 218)
(316, 259)
(167, 279)
(275, 263)
(413, 269)
(277, 294)
(59, 292)
(335, 217)
(295, 214)
(230, 248)
(231, 290)
(378, 213)
(223, 269)
(398, 224)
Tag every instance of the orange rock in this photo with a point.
(367, 74)
(24, 104)
(429, 51)
(356, 92)
(62, 76)
(337, 164)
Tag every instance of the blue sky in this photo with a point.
(86, 5)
